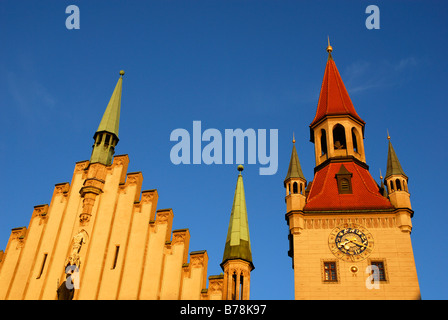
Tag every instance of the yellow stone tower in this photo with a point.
(349, 237)
(102, 237)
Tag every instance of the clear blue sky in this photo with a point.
(230, 64)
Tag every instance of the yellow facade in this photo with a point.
(126, 249)
(392, 246)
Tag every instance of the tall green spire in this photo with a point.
(295, 169)
(393, 165)
(238, 240)
(111, 117)
(106, 136)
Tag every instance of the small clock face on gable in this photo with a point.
(350, 242)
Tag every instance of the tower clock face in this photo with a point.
(350, 242)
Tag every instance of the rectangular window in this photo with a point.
(117, 249)
(42, 266)
(381, 269)
(330, 273)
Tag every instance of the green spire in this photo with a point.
(106, 137)
(393, 165)
(111, 117)
(295, 169)
(238, 241)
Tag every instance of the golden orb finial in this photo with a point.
(293, 139)
(240, 168)
(388, 136)
(329, 48)
(122, 73)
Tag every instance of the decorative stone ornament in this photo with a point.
(78, 241)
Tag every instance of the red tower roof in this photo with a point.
(324, 193)
(334, 98)
(341, 183)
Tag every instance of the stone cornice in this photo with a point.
(341, 159)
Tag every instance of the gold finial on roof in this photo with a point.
(388, 136)
(122, 73)
(293, 139)
(381, 176)
(329, 48)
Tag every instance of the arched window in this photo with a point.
(397, 182)
(339, 137)
(234, 297)
(295, 188)
(107, 140)
(355, 142)
(323, 142)
(241, 286)
(98, 139)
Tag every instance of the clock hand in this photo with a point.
(357, 243)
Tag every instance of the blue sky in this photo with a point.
(230, 64)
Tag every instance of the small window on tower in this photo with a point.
(241, 286)
(380, 269)
(234, 297)
(98, 139)
(345, 185)
(330, 272)
(397, 182)
(295, 188)
(355, 143)
(106, 142)
(344, 180)
(339, 137)
(323, 142)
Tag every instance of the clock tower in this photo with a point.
(349, 237)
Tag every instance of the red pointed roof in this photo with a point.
(334, 98)
(324, 194)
